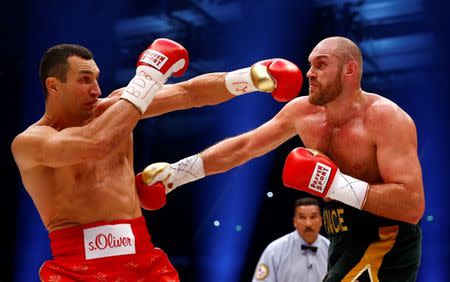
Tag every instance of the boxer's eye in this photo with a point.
(86, 79)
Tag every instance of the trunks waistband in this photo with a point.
(101, 239)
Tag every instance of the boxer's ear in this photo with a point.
(350, 69)
(51, 83)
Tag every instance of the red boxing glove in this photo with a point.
(277, 76)
(163, 58)
(288, 78)
(311, 171)
(152, 197)
(163, 54)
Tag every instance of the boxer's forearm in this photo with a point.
(396, 201)
(226, 155)
(219, 158)
(114, 124)
(203, 90)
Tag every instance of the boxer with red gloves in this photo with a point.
(374, 232)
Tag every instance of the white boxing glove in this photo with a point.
(163, 58)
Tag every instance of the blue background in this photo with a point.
(405, 46)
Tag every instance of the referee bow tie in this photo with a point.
(311, 248)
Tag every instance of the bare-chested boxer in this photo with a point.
(76, 162)
(377, 192)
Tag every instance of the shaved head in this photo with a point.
(343, 48)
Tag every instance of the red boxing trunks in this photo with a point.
(118, 250)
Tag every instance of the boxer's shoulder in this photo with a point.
(25, 145)
(382, 111)
(33, 133)
(377, 104)
(383, 118)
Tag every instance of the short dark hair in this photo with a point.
(306, 201)
(54, 62)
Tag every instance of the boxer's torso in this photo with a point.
(86, 192)
(350, 143)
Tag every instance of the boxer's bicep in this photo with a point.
(278, 130)
(271, 134)
(43, 145)
(400, 194)
(397, 153)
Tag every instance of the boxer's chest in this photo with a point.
(110, 169)
(349, 145)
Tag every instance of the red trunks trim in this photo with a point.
(101, 239)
